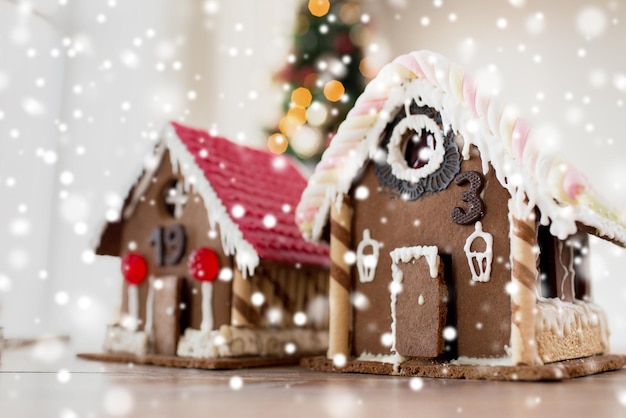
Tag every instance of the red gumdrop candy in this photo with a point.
(134, 268)
(203, 264)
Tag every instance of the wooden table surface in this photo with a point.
(47, 380)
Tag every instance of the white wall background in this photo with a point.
(85, 87)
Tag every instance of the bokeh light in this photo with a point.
(319, 7)
(333, 90)
(298, 114)
(301, 97)
(277, 143)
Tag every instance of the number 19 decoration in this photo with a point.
(169, 244)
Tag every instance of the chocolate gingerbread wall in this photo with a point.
(138, 235)
(480, 311)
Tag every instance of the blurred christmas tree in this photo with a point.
(323, 77)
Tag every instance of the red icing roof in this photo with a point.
(260, 185)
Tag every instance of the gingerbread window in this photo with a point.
(416, 148)
(421, 156)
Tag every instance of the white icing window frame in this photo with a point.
(395, 154)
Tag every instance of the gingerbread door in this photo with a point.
(420, 306)
(167, 294)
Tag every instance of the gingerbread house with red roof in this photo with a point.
(217, 274)
(458, 242)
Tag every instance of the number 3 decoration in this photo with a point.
(476, 208)
(170, 243)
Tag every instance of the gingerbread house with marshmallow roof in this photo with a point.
(217, 274)
(458, 244)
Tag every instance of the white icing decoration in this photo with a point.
(133, 308)
(395, 359)
(121, 340)
(568, 271)
(178, 198)
(420, 300)
(563, 318)
(404, 255)
(395, 156)
(481, 259)
(486, 361)
(207, 312)
(366, 264)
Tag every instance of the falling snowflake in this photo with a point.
(64, 376)
(360, 301)
(416, 383)
(395, 287)
(386, 339)
(238, 211)
(118, 401)
(517, 3)
(290, 348)
(339, 360)
(20, 227)
(257, 299)
(274, 315)
(361, 192)
(532, 401)
(5, 283)
(269, 221)
(300, 319)
(349, 257)
(235, 383)
(449, 333)
(536, 23)
(591, 22)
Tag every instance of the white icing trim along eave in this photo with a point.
(233, 242)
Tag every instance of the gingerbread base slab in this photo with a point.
(192, 363)
(568, 369)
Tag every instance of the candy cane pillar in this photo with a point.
(339, 286)
(523, 288)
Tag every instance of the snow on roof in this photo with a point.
(250, 194)
(533, 175)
